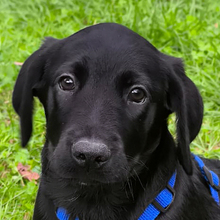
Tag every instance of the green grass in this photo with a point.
(182, 28)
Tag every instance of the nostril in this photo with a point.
(81, 156)
(100, 159)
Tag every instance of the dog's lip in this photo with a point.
(92, 182)
(83, 183)
(89, 183)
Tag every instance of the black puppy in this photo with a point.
(107, 93)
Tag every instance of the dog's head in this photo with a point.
(107, 93)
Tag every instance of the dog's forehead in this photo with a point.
(108, 38)
(110, 35)
(107, 49)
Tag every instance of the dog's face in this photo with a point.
(107, 93)
(103, 99)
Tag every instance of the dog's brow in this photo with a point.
(129, 78)
(78, 68)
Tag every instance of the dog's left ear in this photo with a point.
(29, 76)
(184, 99)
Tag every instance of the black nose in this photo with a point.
(90, 153)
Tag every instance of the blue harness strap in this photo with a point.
(165, 198)
(162, 202)
(62, 214)
(211, 178)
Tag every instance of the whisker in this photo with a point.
(139, 179)
(73, 199)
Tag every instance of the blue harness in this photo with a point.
(165, 198)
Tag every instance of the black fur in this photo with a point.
(106, 61)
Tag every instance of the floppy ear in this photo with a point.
(184, 99)
(22, 99)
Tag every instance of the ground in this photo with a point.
(189, 29)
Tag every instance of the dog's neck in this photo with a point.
(115, 201)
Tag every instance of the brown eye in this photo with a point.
(137, 95)
(67, 83)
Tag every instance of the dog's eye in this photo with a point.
(67, 83)
(137, 95)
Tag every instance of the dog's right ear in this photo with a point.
(184, 99)
(29, 75)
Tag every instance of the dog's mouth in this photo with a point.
(93, 182)
(83, 184)
(89, 183)
(95, 179)
(96, 182)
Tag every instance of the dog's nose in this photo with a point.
(90, 153)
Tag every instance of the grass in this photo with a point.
(182, 28)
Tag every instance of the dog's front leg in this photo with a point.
(44, 208)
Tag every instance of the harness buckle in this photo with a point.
(161, 208)
(210, 178)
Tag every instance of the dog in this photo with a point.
(107, 94)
